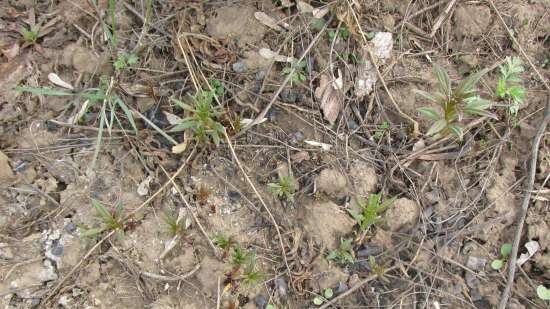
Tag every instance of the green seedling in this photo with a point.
(205, 116)
(509, 85)
(343, 33)
(175, 228)
(327, 294)
(380, 130)
(344, 254)
(241, 257)
(284, 188)
(111, 220)
(377, 269)
(251, 276)
(125, 60)
(271, 306)
(505, 251)
(457, 104)
(30, 35)
(297, 72)
(371, 210)
(111, 103)
(223, 242)
(544, 294)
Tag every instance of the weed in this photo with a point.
(297, 71)
(110, 220)
(205, 117)
(343, 33)
(509, 84)
(544, 294)
(223, 242)
(377, 269)
(30, 35)
(456, 102)
(241, 257)
(371, 211)
(344, 254)
(125, 60)
(251, 276)
(327, 294)
(175, 228)
(284, 188)
(505, 251)
(381, 129)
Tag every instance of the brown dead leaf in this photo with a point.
(330, 95)
(300, 156)
(11, 52)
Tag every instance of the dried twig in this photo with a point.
(277, 228)
(174, 278)
(353, 289)
(442, 18)
(530, 181)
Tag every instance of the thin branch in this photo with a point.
(524, 206)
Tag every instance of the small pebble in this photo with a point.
(260, 302)
(369, 250)
(239, 66)
(57, 248)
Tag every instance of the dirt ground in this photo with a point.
(341, 124)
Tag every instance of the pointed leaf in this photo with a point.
(127, 112)
(457, 130)
(444, 82)
(430, 113)
(437, 127)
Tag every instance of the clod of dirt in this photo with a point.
(145, 244)
(499, 194)
(30, 277)
(363, 177)
(332, 182)
(327, 222)
(538, 225)
(11, 74)
(84, 60)
(327, 275)
(212, 269)
(89, 275)
(403, 214)
(472, 20)
(244, 30)
(6, 173)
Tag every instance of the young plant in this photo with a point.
(327, 294)
(509, 85)
(241, 257)
(380, 130)
(544, 294)
(251, 276)
(175, 228)
(505, 251)
(110, 220)
(457, 103)
(344, 254)
(205, 116)
(30, 35)
(284, 188)
(299, 74)
(343, 33)
(377, 269)
(125, 60)
(371, 211)
(223, 242)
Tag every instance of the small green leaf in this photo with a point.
(437, 127)
(328, 293)
(270, 306)
(505, 250)
(43, 91)
(543, 293)
(318, 300)
(132, 59)
(497, 264)
(444, 82)
(430, 113)
(90, 232)
(457, 130)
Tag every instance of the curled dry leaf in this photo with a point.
(11, 52)
(271, 55)
(55, 79)
(381, 47)
(270, 22)
(171, 118)
(143, 187)
(532, 248)
(304, 8)
(330, 95)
